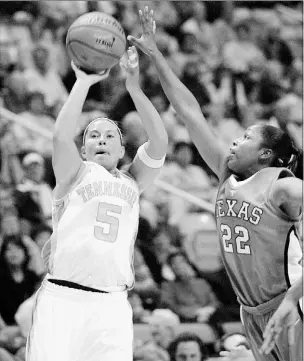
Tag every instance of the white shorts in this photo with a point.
(76, 325)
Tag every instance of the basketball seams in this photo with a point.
(98, 27)
(81, 62)
(87, 18)
(92, 48)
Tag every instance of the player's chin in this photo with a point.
(106, 161)
(233, 165)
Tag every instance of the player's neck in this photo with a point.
(250, 171)
(114, 172)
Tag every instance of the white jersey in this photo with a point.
(94, 230)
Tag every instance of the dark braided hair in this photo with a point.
(285, 153)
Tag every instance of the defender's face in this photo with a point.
(103, 145)
(246, 151)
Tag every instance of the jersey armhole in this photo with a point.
(285, 173)
(82, 171)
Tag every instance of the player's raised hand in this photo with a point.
(146, 43)
(285, 316)
(130, 67)
(89, 79)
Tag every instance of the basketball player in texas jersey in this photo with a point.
(258, 205)
(82, 312)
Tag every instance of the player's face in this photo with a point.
(103, 144)
(246, 152)
(188, 351)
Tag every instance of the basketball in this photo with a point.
(95, 42)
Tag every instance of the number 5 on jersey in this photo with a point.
(109, 230)
(240, 241)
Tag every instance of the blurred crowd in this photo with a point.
(242, 61)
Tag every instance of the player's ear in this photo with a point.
(83, 153)
(122, 152)
(266, 155)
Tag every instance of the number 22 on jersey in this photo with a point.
(241, 236)
(109, 230)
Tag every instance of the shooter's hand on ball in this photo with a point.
(89, 79)
(146, 43)
(130, 67)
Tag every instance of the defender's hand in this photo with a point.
(146, 43)
(130, 67)
(285, 316)
(90, 79)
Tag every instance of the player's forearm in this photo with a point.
(154, 126)
(68, 118)
(178, 94)
(295, 292)
(190, 112)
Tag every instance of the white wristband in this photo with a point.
(147, 160)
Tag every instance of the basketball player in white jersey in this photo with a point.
(82, 312)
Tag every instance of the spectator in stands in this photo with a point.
(140, 315)
(5, 356)
(145, 285)
(134, 133)
(12, 226)
(6, 199)
(35, 117)
(41, 234)
(275, 48)
(17, 281)
(198, 25)
(190, 297)
(162, 247)
(14, 92)
(11, 171)
(191, 77)
(33, 195)
(144, 243)
(187, 347)
(238, 354)
(44, 79)
(183, 174)
(230, 341)
(241, 52)
(163, 325)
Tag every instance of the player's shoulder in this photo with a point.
(62, 190)
(280, 171)
(272, 174)
(125, 172)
